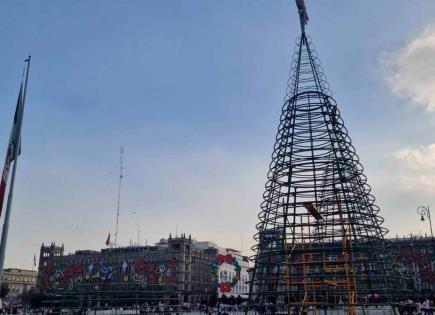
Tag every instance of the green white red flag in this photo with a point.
(108, 240)
(303, 15)
(14, 144)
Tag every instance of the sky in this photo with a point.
(193, 91)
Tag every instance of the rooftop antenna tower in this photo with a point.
(121, 175)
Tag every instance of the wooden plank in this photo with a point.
(312, 210)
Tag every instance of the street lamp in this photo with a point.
(424, 212)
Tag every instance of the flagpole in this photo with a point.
(25, 85)
(11, 186)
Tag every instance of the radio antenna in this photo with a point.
(121, 175)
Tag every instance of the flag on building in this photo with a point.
(14, 144)
(108, 240)
(34, 260)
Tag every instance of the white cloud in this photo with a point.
(422, 158)
(410, 71)
(418, 182)
(417, 168)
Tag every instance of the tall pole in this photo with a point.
(11, 187)
(430, 222)
(121, 175)
(425, 212)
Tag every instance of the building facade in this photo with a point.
(19, 281)
(237, 275)
(415, 261)
(174, 271)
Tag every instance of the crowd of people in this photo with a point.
(159, 308)
(416, 307)
(410, 306)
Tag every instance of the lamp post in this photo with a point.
(424, 212)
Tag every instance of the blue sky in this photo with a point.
(193, 91)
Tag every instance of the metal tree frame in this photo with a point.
(320, 241)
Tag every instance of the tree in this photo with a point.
(224, 299)
(33, 298)
(239, 300)
(213, 299)
(232, 300)
(4, 290)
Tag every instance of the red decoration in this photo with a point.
(73, 271)
(428, 276)
(49, 269)
(225, 287)
(139, 265)
(172, 263)
(410, 255)
(152, 278)
(228, 258)
(149, 267)
(172, 279)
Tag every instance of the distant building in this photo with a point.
(19, 281)
(176, 270)
(415, 261)
(227, 273)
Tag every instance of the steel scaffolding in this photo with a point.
(320, 241)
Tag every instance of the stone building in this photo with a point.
(415, 261)
(18, 281)
(231, 271)
(176, 270)
(227, 272)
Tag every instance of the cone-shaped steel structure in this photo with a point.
(320, 240)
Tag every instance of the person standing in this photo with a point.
(425, 307)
